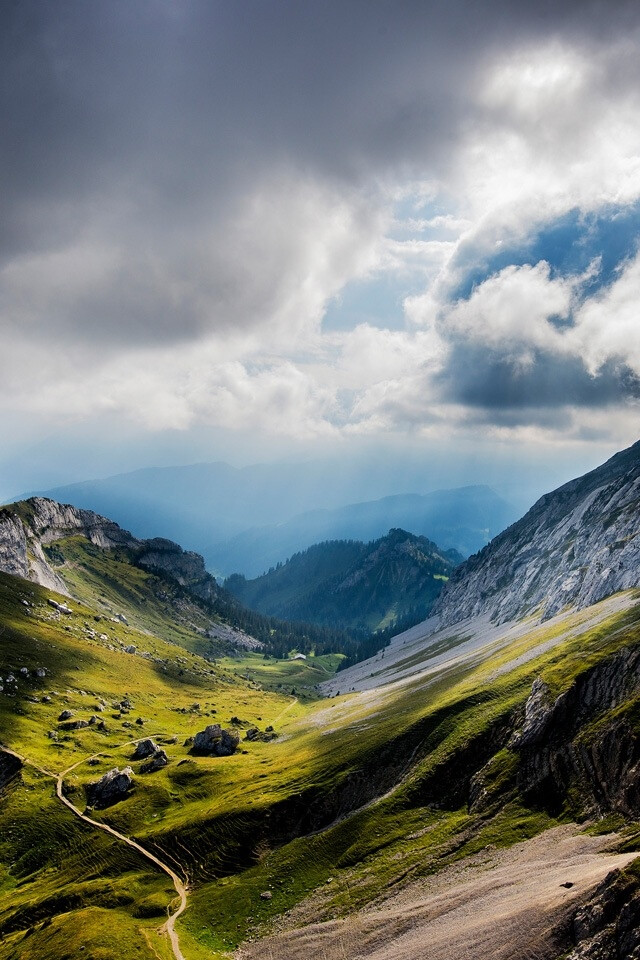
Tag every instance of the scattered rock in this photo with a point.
(214, 741)
(130, 649)
(111, 788)
(93, 761)
(60, 607)
(66, 715)
(254, 734)
(266, 895)
(140, 721)
(74, 725)
(158, 760)
(144, 749)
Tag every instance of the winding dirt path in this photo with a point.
(169, 927)
(286, 709)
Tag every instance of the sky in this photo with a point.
(358, 229)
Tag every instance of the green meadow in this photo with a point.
(357, 795)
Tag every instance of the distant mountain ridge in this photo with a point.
(249, 519)
(347, 583)
(463, 519)
(575, 546)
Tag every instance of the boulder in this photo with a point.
(254, 734)
(66, 715)
(74, 725)
(111, 788)
(157, 761)
(214, 741)
(146, 748)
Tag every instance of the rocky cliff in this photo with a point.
(26, 528)
(574, 547)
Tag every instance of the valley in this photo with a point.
(468, 769)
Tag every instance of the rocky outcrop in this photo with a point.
(114, 786)
(574, 547)
(538, 713)
(566, 749)
(216, 742)
(26, 528)
(607, 927)
(185, 566)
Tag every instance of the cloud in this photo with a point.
(188, 187)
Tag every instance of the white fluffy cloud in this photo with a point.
(200, 306)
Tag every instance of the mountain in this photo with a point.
(195, 504)
(575, 546)
(475, 786)
(58, 546)
(462, 519)
(358, 829)
(248, 519)
(347, 583)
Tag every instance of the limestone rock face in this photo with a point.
(537, 714)
(575, 546)
(29, 527)
(26, 528)
(39, 522)
(215, 741)
(603, 767)
(111, 788)
(185, 566)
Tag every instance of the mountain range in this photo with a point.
(248, 520)
(473, 787)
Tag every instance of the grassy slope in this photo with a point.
(225, 820)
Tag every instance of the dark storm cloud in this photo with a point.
(143, 125)
(509, 391)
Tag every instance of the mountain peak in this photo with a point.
(575, 546)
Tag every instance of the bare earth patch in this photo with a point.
(497, 905)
